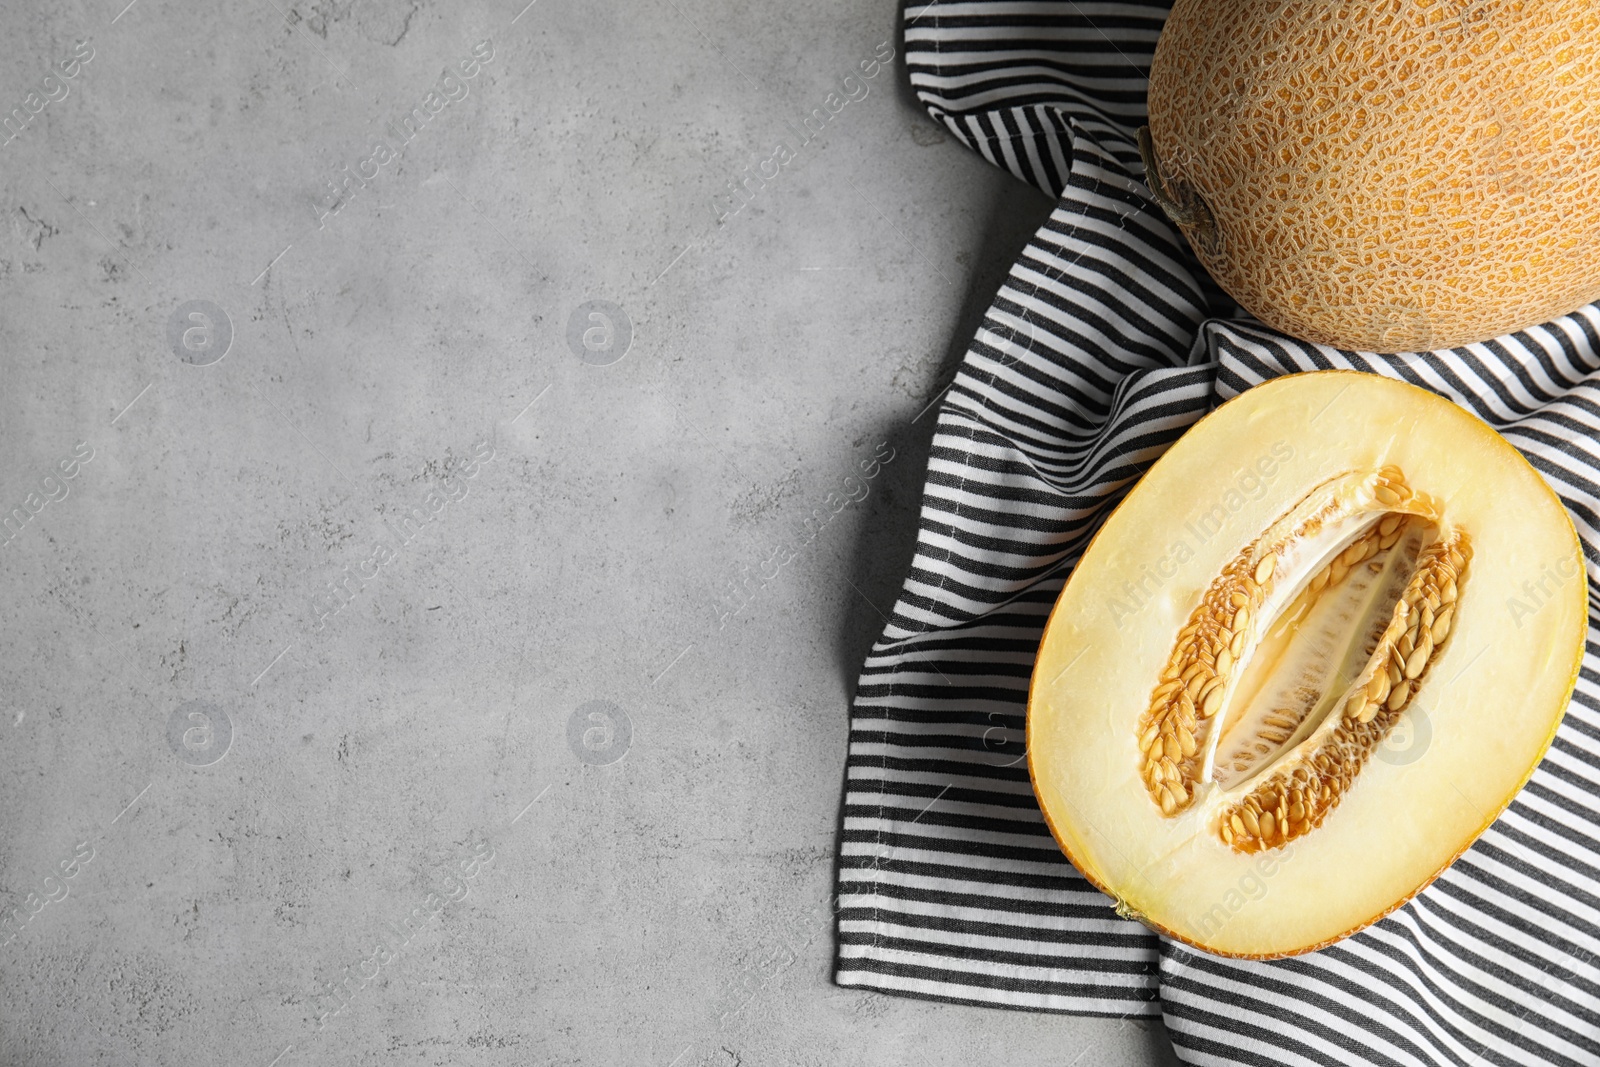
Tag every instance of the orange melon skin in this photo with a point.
(1388, 175)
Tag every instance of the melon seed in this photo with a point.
(1419, 657)
(1265, 567)
(1441, 625)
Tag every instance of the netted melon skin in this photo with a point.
(1388, 176)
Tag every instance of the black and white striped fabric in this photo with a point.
(1106, 342)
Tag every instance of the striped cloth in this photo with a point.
(1106, 342)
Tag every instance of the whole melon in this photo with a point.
(1390, 175)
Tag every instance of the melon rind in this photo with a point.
(1387, 177)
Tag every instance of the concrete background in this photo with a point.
(222, 784)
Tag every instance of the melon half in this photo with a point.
(1308, 660)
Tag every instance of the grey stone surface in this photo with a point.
(223, 783)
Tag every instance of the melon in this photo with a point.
(1306, 662)
(1395, 176)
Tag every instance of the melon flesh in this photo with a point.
(1304, 665)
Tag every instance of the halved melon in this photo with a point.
(1327, 564)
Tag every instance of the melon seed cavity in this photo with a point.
(1302, 655)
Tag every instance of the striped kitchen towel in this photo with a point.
(1104, 344)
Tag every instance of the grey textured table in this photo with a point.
(443, 522)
